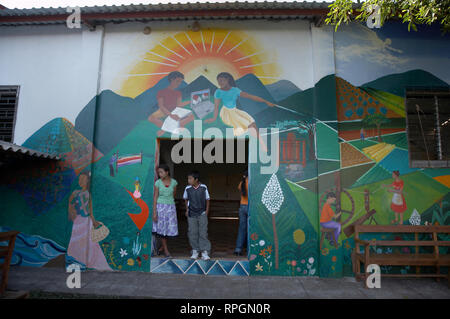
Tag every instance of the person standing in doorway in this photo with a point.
(243, 216)
(197, 198)
(165, 224)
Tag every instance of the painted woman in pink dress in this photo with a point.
(81, 247)
(398, 204)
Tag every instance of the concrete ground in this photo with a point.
(151, 285)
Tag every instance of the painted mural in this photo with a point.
(343, 157)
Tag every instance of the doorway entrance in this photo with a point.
(222, 180)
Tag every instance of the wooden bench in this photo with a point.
(408, 258)
(6, 253)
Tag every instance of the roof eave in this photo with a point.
(200, 14)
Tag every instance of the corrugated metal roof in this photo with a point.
(175, 11)
(10, 148)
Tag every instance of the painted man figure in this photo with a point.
(168, 100)
(327, 215)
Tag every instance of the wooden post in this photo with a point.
(6, 252)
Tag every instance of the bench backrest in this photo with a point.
(434, 230)
(401, 229)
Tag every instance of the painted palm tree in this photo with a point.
(310, 127)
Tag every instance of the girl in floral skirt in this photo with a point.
(165, 223)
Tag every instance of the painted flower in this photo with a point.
(253, 256)
(123, 252)
(293, 263)
(334, 258)
(262, 242)
(263, 253)
(312, 272)
(288, 262)
(311, 260)
(254, 236)
(130, 262)
(298, 269)
(269, 249)
(259, 267)
(305, 271)
(325, 251)
(303, 261)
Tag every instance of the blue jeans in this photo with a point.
(243, 226)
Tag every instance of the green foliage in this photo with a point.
(412, 12)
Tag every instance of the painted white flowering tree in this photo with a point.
(273, 198)
(415, 218)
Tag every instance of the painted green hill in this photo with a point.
(282, 89)
(251, 84)
(318, 101)
(397, 83)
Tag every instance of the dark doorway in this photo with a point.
(222, 180)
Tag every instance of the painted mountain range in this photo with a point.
(111, 126)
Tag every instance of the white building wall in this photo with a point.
(56, 69)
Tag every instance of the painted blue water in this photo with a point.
(32, 250)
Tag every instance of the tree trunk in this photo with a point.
(312, 153)
(275, 239)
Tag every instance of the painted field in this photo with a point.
(398, 139)
(420, 192)
(354, 135)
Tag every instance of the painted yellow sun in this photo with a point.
(204, 53)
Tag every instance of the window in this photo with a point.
(428, 126)
(8, 107)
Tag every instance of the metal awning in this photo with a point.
(97, 15)
(10, 152)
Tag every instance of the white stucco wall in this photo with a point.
(56, 69)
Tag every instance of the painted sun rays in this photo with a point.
(207, 53)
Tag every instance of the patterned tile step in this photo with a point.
(200, 267)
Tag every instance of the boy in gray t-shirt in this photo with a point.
(196, 197)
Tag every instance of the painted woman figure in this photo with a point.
(137, 188)
(228, 94)
(398, 204)
(81, 247)
(165, 224)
